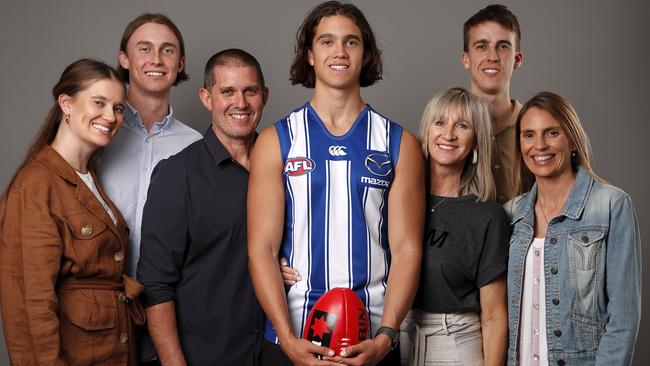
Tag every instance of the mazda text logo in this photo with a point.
(379, 164)
(338, 150)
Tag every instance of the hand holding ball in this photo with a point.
(338, 319)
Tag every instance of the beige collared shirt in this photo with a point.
(503, 158)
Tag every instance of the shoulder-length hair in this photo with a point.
(302, 72)
(566, 115)
(74, 79)
(476, 178)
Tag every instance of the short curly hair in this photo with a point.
(302, 72)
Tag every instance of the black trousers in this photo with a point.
(272, 355)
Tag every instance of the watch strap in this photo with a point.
(391, 333)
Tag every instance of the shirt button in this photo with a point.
(536, 357)
(119, 257)
(146, 141)
(122, 297)
(124, 338)
(554, 270)
(536, 331)
(553, 240)
(86, 230)
(537, 253)
(536, 281)
(497, 166)
(585, 239)
(557, 332)
(536, 306)
(556, 301)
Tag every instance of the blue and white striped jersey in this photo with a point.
(336, 193)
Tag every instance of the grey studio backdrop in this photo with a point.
(593, 53)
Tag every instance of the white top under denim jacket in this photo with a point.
(592, 267)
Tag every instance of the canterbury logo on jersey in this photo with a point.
(298, 166)
(379, 164)
(338, 150)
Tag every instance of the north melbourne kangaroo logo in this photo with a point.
(338, 150)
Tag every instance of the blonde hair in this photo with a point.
(476, 178)
(560, 109)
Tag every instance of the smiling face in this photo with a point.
(153, 59)
(337, 53)
(450, 141)
(96, 112)
(236, 101)
(491, 58)
(545, 146)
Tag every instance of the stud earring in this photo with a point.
(474, 156)
(573, 154)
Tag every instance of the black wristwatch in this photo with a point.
(391, 333)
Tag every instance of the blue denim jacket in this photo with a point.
(592, 266)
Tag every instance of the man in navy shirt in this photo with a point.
(198, 296)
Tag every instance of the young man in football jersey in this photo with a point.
(338, 190)
(491, 52)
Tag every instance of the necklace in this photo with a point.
(541, 207)
(438, 204)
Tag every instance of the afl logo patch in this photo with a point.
(379, 164)
(298, 166)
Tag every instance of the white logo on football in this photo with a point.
(338, 150)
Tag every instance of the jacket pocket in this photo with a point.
(88, 312)
(588, 332)
(585, 247)
(585, 251)
(84, 225)
(88, 326)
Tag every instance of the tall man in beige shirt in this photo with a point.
(491, 53)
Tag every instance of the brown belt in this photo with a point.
(131, 287)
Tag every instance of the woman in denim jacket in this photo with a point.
(574, 272)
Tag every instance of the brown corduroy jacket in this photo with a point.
(62, 261)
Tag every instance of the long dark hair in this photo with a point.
(75, 78)
(302, 72)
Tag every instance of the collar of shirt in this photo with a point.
(133, 119)
(573, 207)
(215, 147)
(512, 120)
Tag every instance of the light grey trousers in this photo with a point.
(428, 339)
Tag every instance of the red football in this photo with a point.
(337, 320)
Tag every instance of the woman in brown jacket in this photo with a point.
(65, 299)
